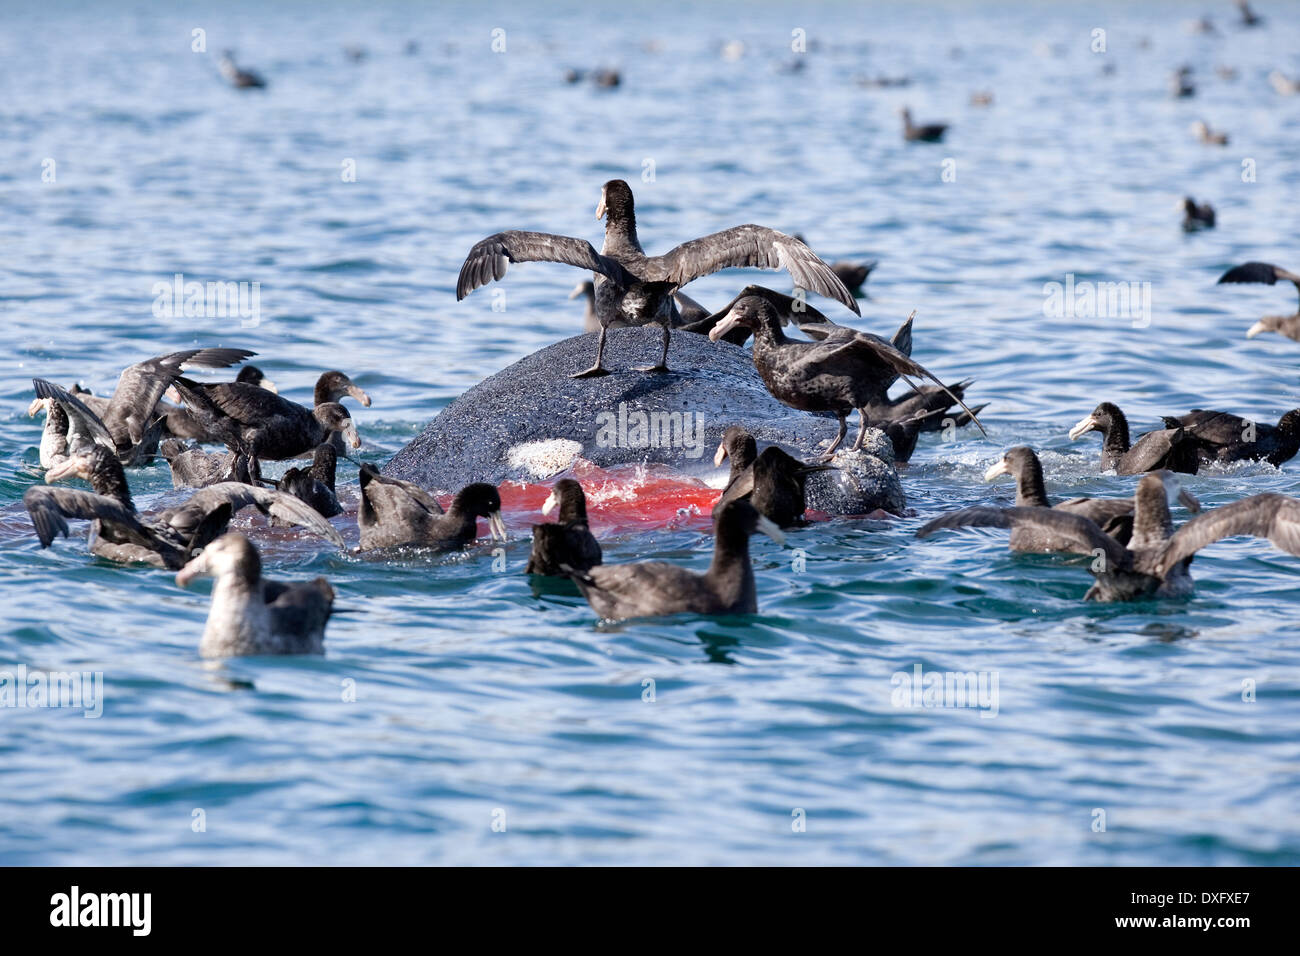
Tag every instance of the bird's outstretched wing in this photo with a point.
(1272, 516)
(488, 259)
(1263, 272)
(50, 508)
(140, 386)
(1083, 534)
(755, 247)
(188, 518)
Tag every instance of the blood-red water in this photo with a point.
(624, 499)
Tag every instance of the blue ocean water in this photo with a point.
(493, 725)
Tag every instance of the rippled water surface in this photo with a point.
(478, 700)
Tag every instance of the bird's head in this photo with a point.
(615, 201)
(230, 555)
(482, 501)
(751, 311)
(336, 418)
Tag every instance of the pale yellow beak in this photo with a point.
(600, 206)
(720, 455)
(728, 323)
(196, 567)
(497, 525)
(350, 433)
(1255, 330)
(549, 504)
(1188, 500)
(36, 406)
(1084, 426)
(1000, 468)
(359, 395)
(770, 528)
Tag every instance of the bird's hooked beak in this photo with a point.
(770, 528)
(36, 406)
(1001, 468)
(74, 466)
(172, 395)
(1255, 330)
(270, 386)
(720, 455)
(729, 322)
(578, 290)
(356, 392)
(600, 206)
(497, 525)
(549, 504)
(1086, 425)
(195, 568)
(350, 433)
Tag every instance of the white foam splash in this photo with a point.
(544, 458)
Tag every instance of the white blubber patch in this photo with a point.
(544, 458)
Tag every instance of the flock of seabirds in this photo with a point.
(157, 410)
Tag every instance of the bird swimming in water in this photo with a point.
(637, 289)
(1180, 83)
(1196, 218)
(1114, 516)
(1224, 437)
(655, 588)
(925, 133)
(315, 485)
(395, 513)
(774, 484)
(166, 539)
(239, 78)
(129, 423)
(1208, 136)
(251, 615)
(1166, 448)
(1248, 16)
(1283, 84)
(1157, 559)
(257, 422)
(569, 541)
(842, 371)
(1263, 272)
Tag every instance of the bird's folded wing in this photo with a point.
(488, 259)
(394, 494)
